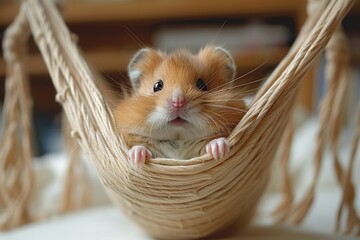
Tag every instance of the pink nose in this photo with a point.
(178, 102)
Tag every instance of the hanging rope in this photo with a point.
(172, 198)
(16, 174)
(76, 193)
(337, 74)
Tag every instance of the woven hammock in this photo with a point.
(169, 198)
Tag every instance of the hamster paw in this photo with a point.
(138, 154)
(217, 148)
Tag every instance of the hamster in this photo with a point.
(182, 104)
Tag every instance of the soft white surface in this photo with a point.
(102, 223)
(106, 222)
(49, 182)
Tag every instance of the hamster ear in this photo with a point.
(231, 67)
(134, 71)
(221, 58)
(144, 61)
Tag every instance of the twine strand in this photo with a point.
(172, 198)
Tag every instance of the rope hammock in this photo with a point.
(172, 198)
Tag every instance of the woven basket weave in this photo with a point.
(173, 198)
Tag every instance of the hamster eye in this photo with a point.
(158, 85)
(200, 84)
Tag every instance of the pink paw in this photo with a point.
(138, 154)
(217, 148)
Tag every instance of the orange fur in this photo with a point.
(221, 106)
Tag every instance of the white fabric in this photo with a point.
(106, 223)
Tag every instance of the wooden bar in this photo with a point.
(137, 10)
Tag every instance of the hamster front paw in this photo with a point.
(217, 148)
(138, 154)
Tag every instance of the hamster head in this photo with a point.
(183, 95)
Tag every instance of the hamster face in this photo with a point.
(184, 96)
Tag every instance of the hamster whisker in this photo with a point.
(226, 94)
(222, 122)
(251, 82)
(107, 75)
(153, 124)
(222, 100)
(218, 32)
(238, 89)
(227, 107)
(234, 86)
(237, 78)
(133, 36)
(222, 85)
(213, 77)
(218, 123)
(252, 71)
(109, 91)
(115, 83)
(133, 128)
(228, 90)
(228, 86)
(140, 125)
(114, 93)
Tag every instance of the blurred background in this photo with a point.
(258, 33)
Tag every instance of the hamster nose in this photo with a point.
(178, 99)
(178, 102)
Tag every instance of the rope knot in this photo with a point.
(337, 48)
(74, 38)
(61, 96)
(75, 134)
